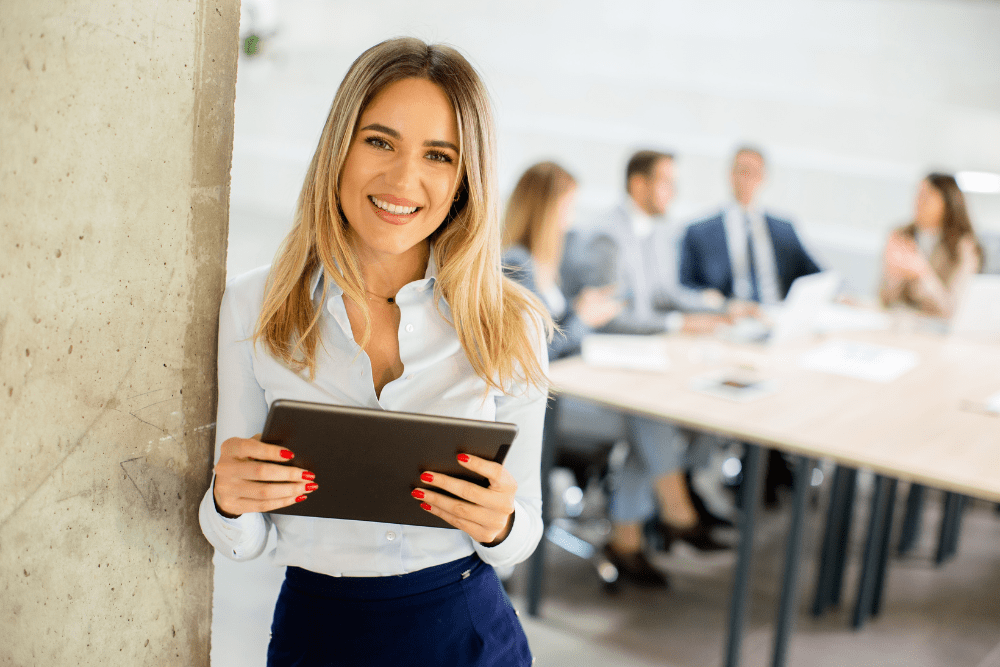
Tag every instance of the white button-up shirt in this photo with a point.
(763, 249)
(437, 379)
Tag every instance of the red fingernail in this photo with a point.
(427, 477)
(417, 493)
(300, 499)
(312, 487)
(285, 454)
(425, 506)
(464, 458)
(309, 475)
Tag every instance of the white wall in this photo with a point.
(853, 100)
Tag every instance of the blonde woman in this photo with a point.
(538, 215)
(388, 294)
(927, 263)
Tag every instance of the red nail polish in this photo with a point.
(427, 477)
(425, 506)
(417, 493)
(464, 458)
(300, 499)
(309, 476)
(285, 454)
(312, 487)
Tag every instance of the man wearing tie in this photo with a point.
(746, 256)
(742, 253)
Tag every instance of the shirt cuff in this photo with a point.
(512, 545)
(239, 539)
(674, 321)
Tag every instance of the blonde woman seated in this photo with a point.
(539, 213)
(927, 263)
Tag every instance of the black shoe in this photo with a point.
(635, 567)
(705, 515)
(698, 536)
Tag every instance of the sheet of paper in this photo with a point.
(875, 363)
(641, 353)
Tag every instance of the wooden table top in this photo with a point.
(922, 426)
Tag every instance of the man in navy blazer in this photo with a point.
(742, 252)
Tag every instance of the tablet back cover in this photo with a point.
(368, 461)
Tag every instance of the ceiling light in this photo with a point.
(978, 181)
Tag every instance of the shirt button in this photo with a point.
(390, 536)
(409, 328)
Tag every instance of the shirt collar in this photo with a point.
(427, 282)
(642, 223)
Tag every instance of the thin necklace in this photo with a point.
(389, 299)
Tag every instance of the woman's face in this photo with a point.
(566, 210)
(400, 175)
(929, 212)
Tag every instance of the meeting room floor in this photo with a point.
(946, 616)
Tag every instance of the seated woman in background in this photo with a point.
(927, 263)
(539, 213)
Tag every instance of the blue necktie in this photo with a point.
(751, 261)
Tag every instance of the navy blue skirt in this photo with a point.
(455, 614)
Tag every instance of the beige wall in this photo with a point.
(116, 131)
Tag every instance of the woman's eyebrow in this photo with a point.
(377, 127)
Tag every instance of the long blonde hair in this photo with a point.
(530, 218)
(492, 315)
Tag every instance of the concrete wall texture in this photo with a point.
(116, 129)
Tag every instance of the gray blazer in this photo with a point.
(644, 270)
(519, 266)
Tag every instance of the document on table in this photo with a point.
(875, 363)
(734, 384)
(640, 353)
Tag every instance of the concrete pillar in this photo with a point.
(116, 131)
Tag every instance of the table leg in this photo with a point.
(910, 532)
(873, 549)
(793, 553)
(750, 495)
(847, 520)
(833, 543)
(950, 522)
(536, 564)
(883, 565)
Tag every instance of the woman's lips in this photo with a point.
(394, 210)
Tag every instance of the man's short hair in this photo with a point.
(643, 163)
(753, 150)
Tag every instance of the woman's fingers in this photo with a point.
(483, 513)
(248, 477)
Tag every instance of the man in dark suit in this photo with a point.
(742, 252)
(745, 255)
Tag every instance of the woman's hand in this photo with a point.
(247, 481)
(485, 514)
(596, 306)
(903, 260)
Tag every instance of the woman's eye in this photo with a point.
(378, 142)
(438, 156)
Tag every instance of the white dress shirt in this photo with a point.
(765, 267)
(437, 379)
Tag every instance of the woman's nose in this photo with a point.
(402, 171)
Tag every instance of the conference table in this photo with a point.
(928, 423)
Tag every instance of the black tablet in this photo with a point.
(368, 461)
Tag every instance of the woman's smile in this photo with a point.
(394, 210)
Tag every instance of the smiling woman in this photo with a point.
(388, 294)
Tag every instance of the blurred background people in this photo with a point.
(538, 215)
(927, 263)
(743, 252)
(630, 251)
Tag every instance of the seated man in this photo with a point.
(632, 251)
(742, 252)
(747, 256)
